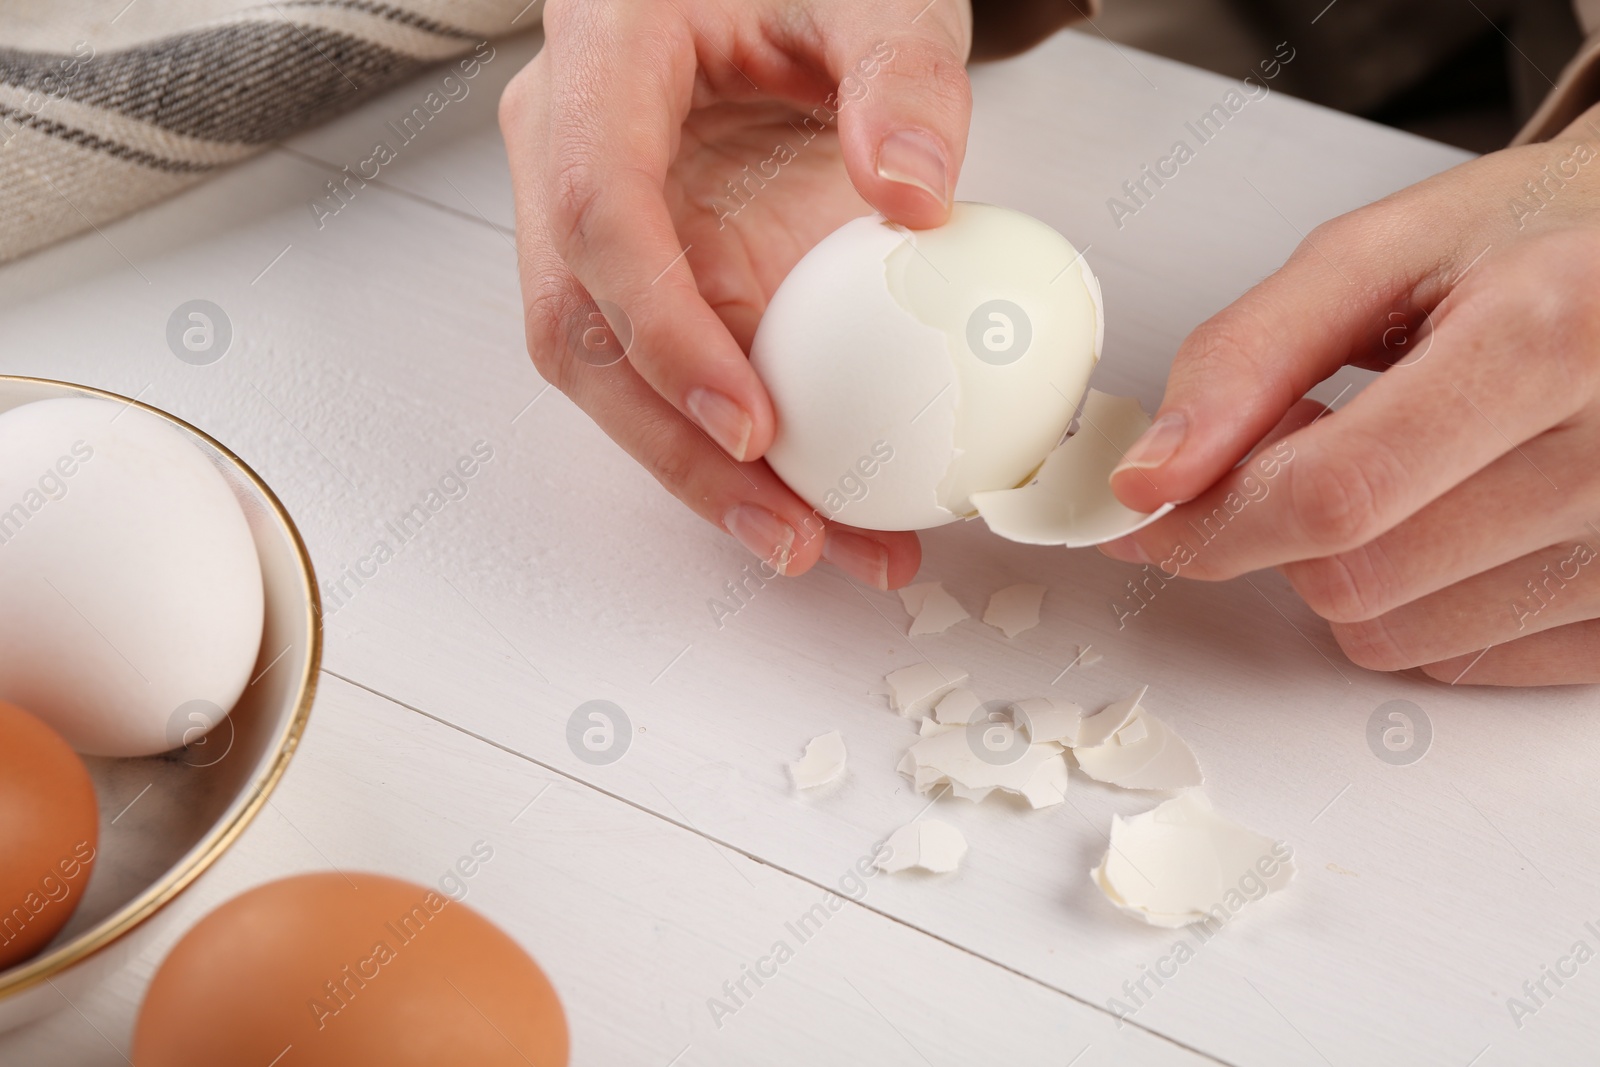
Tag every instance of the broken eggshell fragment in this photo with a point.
(1138, 751)
(1069, 502)
(824, 761)
(957, 707)
(1098, 728)
(1179, 862)
(1015, 608)
(915, 689)
(932, 610)
(927, 844)
(1046, 719)
(973, 768)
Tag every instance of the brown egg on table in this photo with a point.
(49, 829)
(332, 969)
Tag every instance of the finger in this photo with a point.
(1176, 542)
(1423, 428)
(608, 158)
(1240, 370)
(1552, 587)
(1303, 413)
(1566, 655)
(904, 103)
(746, 500)
(883, 559)
(1505, 511)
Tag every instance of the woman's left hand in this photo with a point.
(1448, 517)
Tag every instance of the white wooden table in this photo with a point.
(370, 354)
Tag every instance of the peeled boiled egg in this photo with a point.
(920, 375)
(129, 576)
(344, 969)
(49, 830)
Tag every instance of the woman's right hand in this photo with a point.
(671, 160)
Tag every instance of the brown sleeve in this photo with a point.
(1003, 28)
(1576, 90)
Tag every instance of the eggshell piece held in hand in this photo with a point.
(349, 969)
(130, 580)
(49, 830)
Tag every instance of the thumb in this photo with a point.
(1337, 300)
(904, 105)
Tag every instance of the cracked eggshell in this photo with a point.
(1047, 785)
(957, 707)
(932, 610)
(1098, 728)
(1144, 753)
(942, 847)
(1171, 865)
(905, 847)
(1039, 774)
(927, 844)
(1046, 719)
(915, 689)
(1015, 608)
(893, 404)
(824, 761)
(1070, 501)
(922, 778)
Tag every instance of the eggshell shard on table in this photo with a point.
(1098, 728)
(1069, 502)
(932, 610)
(1046, 719)
(914, 690)
(927, 844)
(1179, 862)
(1038, 773)
(824, 761)
(1015, 608)
(1144, 754)
(911, 368)
(957, 707)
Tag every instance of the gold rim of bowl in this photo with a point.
(58, 960)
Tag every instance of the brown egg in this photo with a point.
(49, 829)
(330, 970)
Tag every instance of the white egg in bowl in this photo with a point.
(925, 376)
(164, 818)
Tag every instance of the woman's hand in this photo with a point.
(671, 160)
(1448, 517)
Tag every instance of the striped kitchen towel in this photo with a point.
(106, 107)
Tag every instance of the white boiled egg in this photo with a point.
(919, 376)
(129, 576)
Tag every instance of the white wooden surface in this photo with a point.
(380, 348)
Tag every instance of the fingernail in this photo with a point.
(911, 157)
(860, 557)
(1157, 444)
(1125, 549)
(768, 537)
(724, 420)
